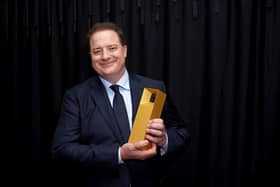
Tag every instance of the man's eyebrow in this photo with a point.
(105, 46)
(111, 45)
(96, 48)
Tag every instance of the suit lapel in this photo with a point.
(136, 93)
(99, 96)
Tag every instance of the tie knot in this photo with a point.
(115, 88)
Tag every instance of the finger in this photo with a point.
(155, 132)
(141, 144)
(156, 124)
(156, 120)
(157, 140)
(148, 153)
(153, 139)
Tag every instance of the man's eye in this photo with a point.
(112, 48)
(96, 52)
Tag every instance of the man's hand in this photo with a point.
(137, 150)
(156, 132)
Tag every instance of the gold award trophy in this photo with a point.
(150, 107)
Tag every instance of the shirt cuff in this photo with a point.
(120, 161)
(163, 149)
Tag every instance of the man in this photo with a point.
(89, 134)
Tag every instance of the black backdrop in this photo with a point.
(219, 58)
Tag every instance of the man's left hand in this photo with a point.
(156, 132)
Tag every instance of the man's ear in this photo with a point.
(125, 50)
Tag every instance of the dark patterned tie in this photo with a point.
(120, 112)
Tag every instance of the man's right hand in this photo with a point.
(137, 151)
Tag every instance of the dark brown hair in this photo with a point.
(100, 26)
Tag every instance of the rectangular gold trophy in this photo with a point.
(151, 105)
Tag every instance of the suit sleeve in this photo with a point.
(178, 135)
(67, 139)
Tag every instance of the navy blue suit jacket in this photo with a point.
(88, 137)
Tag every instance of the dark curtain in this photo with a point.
(220, 60)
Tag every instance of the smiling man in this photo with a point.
(108, 54)
(93, 128)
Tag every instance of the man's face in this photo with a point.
(107, 55)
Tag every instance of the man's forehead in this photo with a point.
(105, 33)
(107, 37)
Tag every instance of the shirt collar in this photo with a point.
(123, 82)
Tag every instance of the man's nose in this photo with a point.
(105, 55)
